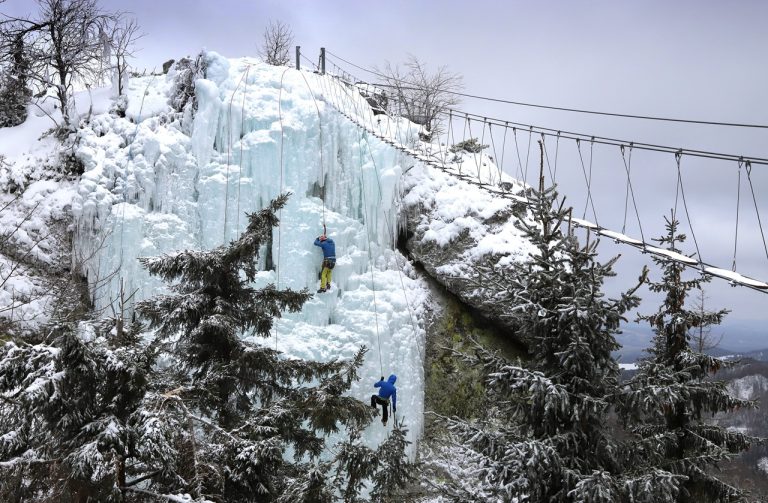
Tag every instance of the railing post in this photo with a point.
(298, 57)
(322, 61)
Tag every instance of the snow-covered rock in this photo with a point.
(748, 387)
(454, 227)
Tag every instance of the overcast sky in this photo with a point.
(697, 59)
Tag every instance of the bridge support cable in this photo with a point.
(736, 230)
(588, 179)
(519, 170)
(631, 192)
(439, 162)
(546, 158)
(685, 205)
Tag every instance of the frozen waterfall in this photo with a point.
(157, 181)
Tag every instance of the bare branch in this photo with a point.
(278, 39)
(420, 95)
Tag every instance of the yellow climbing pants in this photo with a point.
(325, 276)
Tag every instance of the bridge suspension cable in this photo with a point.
(389, 78)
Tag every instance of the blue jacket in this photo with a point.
(328, 246)
(388, 390)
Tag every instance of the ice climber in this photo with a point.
(329, 261)
(387, 390)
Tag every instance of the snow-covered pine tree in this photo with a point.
(93, 412)
(246, 405)
(68, 405)
(666, 403)
(548, 440)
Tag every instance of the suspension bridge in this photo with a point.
(365, 103)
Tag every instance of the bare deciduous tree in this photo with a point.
(278, 39)
(702, 338)
(66, 44)
(422, 96)
(123, 38)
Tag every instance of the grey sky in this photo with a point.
(696, 59)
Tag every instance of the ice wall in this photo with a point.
(154, 184)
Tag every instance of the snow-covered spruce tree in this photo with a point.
(666, 403)
(548, 440)
(240, 406)
(68, 406)
(96, 412)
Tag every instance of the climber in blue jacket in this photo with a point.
(387, 390)
(329, 261)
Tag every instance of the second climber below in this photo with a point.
(329, 261)
(387, 390)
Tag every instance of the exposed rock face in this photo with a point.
(465, 238)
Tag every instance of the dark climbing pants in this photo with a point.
(376, 399)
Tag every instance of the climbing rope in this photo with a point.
(242, 137)
(280, 211)
(370, 258)
(229, 155)
(322, 165)
(392, 240)
(130, 157)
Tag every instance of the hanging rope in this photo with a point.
(685, 204)
(242, 136)
(528, 154)
(280, 211)
(130, 156)
(519, 171)
(391, 236)
(503, 152)
(370, 257)
(627, 168)
(738, 204)
(495, 156)
(557, 150)
(588, 180)
(546, 156)
(229, 156)
(322, 164)
(389, 230)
